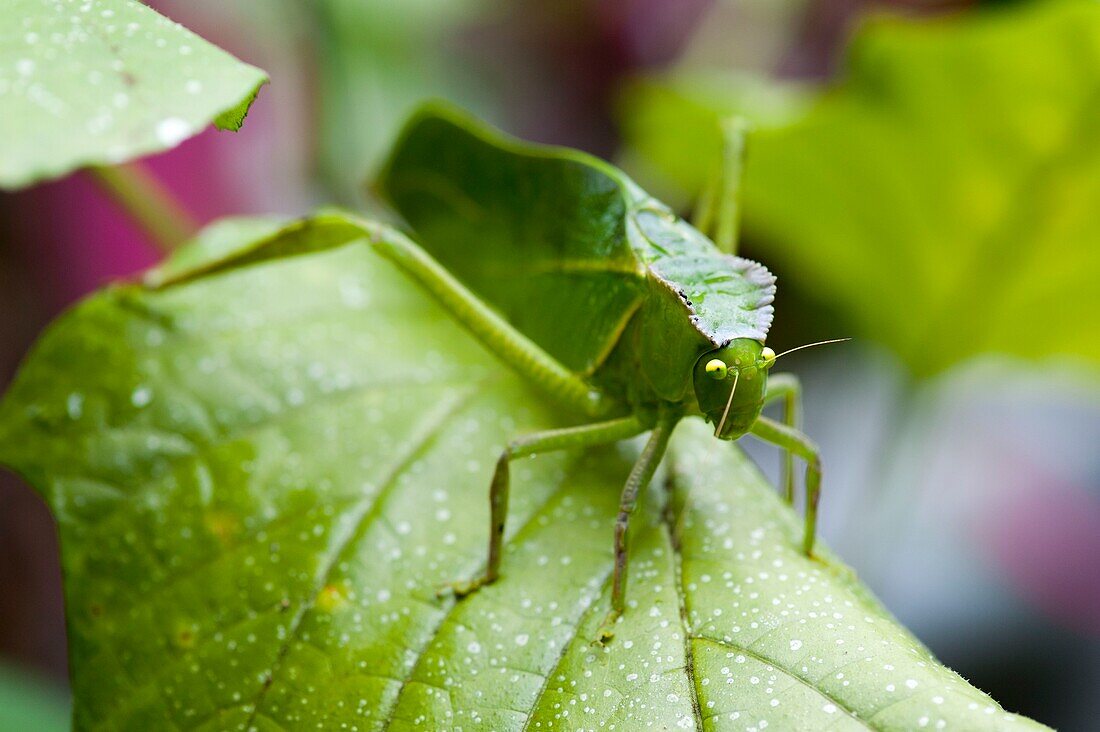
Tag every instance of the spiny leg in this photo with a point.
(639, 478)
(539, 442)
(796, 442)
(788, 388)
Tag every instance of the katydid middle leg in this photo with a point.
(590, 435)
(788, 388)
(799, 444)
(639, 478)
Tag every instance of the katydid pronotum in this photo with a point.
(584, 284)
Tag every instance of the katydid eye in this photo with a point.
(716, 369)
(768, 357)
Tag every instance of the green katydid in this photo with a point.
(580, 281)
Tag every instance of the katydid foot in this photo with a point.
(607, 628)
(462, 588)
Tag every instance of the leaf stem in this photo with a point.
(147, 202)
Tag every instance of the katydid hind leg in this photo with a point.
(590, 435)
(498, 335)
(788, 388)
(639, 478)
(799, 444)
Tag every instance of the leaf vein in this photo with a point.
(430, 430)
(765, 660)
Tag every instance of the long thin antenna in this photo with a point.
(722, 422)
(811, 345)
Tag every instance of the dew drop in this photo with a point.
(172, 130)
(74, 405)
(141, 396)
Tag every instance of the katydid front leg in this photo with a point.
(583, 436)
(639, 478)
(796, 442)
(788, 388)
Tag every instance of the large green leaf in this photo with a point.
(261, 477)
(103, 81)
(944, 195)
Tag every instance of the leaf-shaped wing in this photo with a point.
(540, 233)
(564, 245)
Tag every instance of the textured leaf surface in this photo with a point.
(261, 477)
(943, 196)
(563, 244)
(93, 82)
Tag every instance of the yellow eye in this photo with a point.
(716, 369)
(768, 356)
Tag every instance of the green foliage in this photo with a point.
(943, 195)
(104, 81)
(367, 85)
(27, 703)
(672, 124)
(261, 477)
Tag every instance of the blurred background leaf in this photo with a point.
(28, 702)
(367, 86)
(942, 196)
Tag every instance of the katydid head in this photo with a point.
(730, 383)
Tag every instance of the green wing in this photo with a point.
(565, 246)
(537, 232)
